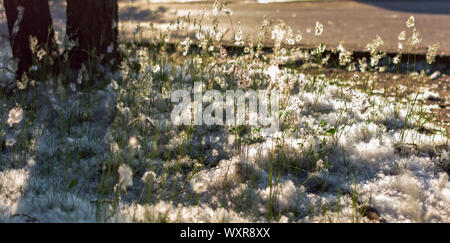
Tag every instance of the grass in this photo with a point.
(112, 154)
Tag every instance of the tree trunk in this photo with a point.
(36, 21)
(93, 25)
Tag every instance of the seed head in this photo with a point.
(410, 22)
(396, 59)
(319, 28)
(402, 36)
(431, 53)
(414, 41)
(298, 38)
(228, 11)
(125, 176)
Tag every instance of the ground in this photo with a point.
(355, 22)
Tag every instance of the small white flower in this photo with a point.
(340, 47)
(375, 45)
(167, 38)
(278, 33)
(227, 11)
(40, 54)
(148, 177)
(114, 147)
(114, 84)
(402, 36)
(273, 71)
(319, 28)
(431, 53)
(218, 36)
(396, 59)
(81, 74)
(156, 68)
(125, 176)
(15, 115)
(238, 36)
(31, 162)
(186, 45)
(320, 164)
(415, 39)
(33, 44)
(291, 41)
(20, 85)
(133, 142)
(199, 35)
(410, 22)
(321, 48)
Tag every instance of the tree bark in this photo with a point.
(35, 21)
(93, 25)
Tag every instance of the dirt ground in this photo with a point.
(354, 22)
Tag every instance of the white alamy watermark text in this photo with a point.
(214, 107)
